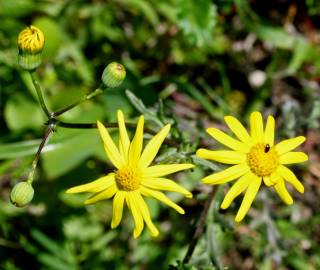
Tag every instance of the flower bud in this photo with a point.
(21, 194)
(30, 44)
(113, 75)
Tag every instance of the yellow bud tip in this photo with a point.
(31, 40)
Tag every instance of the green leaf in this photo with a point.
(197, 19)
(21, 113)
(53, 33)
(74, 148)
(144, 6)
(138, 104)
(17, 8)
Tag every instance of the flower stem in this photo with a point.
(171, 142)
(199, 227)
(40, 96)
(37, 156)
(71, 106)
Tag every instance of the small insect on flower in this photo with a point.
(30, 44)
(267, 148)
(134, 177)
(255, 158)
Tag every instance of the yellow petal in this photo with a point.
(136, 213)
(124, 141)
(228, 141)
(161, 197)
(289, 176)
(136, 144)
(249, 196)
(269, 131)
(117, 210)
(238, 129)
(267, 181)
(109, 146)
(146, 215)
(162, 170)
(235, 190)
(288, 145)
(103, 195)
(153, 147)
(226, 175)
(283, 192)
(272, 179)
(256, 127)
(293, 157)
(165, 184)
(95, 186)
(227, 157)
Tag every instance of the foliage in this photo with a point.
(188, 63)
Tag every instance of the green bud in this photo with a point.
(29, 61)
(21, 194)
(113, 75)
(30, 44)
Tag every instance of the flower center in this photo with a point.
(128, 178)
(262, 159)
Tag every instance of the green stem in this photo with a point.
(37, 157)
(111, 125)
(40, 96)
(71, 106)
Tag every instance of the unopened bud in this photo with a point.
(21, 194)
(113, 75)
(30, 44)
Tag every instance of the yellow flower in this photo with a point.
(134, 176)
(31, 40)
(254, 158)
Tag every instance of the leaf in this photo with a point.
(17, 8)
(53, 33)
(54, 263)
(20, 113)
(70, 151)
(144, 6)
(47, 243)
(138, 104)
(19, 149)
(58, 258)
(276, 35)
(197, 19)
(200, 161)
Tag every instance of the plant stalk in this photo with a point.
(199, 227)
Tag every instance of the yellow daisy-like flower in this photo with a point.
(255, 158)
(134, 176)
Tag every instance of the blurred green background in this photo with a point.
(188, 63)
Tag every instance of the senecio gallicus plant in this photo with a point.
(254, 156)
